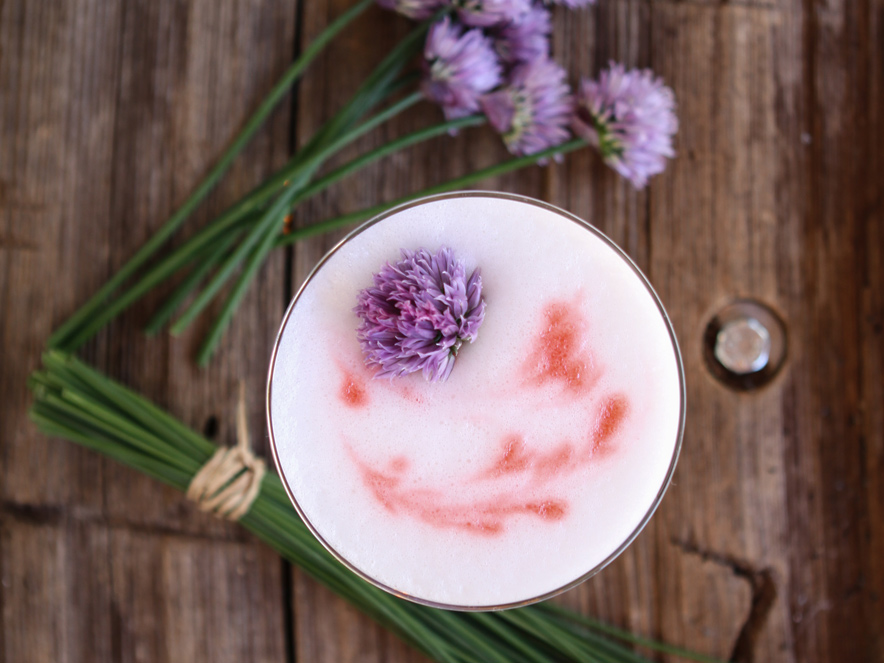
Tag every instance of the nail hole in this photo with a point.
(210, 429)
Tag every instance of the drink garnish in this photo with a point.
(418, 314)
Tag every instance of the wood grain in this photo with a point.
(769, 545)
(716, 212)
(870, 219)
(119, 110)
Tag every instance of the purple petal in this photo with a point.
(630, 117)
(524, 39)
(500, 109)
(418, 314)
(542, 107)
(459, 67)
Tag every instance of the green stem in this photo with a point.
(197, 244)
(206, 262)
(280, 207)
(149, 281)
(522, 619)
(185, 253)
(97, 415)
(259, 196)
(498, 628)
(603, 647)
(485, 647)
(239, 290)
(258, 257)
(55, 423)
(136, 407)
(159, 238)
(385, 83)
(389, 148)
(451, 185)
(264, 225)
(335, 146)
(372, 89)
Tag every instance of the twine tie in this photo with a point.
(230, 481)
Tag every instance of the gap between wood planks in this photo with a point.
(59, 515)
(289, 603)
(764, 594)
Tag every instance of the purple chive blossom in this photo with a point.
(418, 314)
(487, 13)
(459, 67)
(533, 112)
(414, 9)
(630, 117)
(524, 39)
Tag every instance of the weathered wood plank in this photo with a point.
(800, 519)
(714, 596)
(56, 121)
(118, 111)
(179, 598)
(713, 232)
(870, 96)
(55, 588)
(329, 629)
(78, 590)
(191, 75)
(107, 136)
(833, 597)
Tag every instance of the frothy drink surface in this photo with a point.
(533, 463)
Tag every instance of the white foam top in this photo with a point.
(505, 482)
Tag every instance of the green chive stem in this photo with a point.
(451, 185)
(77, 402)
(254, 123)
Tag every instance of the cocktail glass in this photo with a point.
(530, 468)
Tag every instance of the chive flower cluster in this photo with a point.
(418, 314)
(493, 57)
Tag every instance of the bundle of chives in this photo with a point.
(63, 335)
(239, 240)
(78, 403)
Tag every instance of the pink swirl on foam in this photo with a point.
(521, 479)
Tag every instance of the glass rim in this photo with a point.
(681, 383)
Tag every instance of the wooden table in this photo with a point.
(770, 544)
